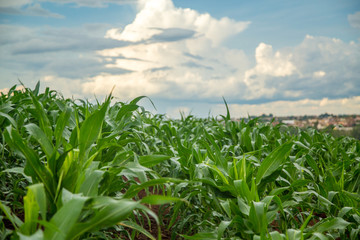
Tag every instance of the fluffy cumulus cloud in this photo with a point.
(173, 53)
(156, 15)
(327, 67)
(318, 67)
(269, 66)
(354, 20)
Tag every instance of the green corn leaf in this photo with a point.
(160, 199)
(278, 191)
(317, 236)
(243, 169)
(243, 207)
(254, 191)
(218, 157)
(226, 206)
(90, 186)
(138, 228)
(202, 236)
(34, 166)
(243, 190)
(293, 234)
(307, 220)
(15, 221)
(65, 219)
(344, 211)
(31, 208)
(61, 124)
(8, 117)
(218, 172)
(126, 109)
(37, 88)
(38, 235)
(152, 160)
(18, 170)
(275, 235)
(329, 224)
(273, 161)
(108, 212)
(135, 189)
(40, 136)
(42, 117)
(246, 139)
(222, 227)
(257, 217)
(312, 164)
(228, 117)
(91, 128)
(40, 197)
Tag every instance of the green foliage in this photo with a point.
(71, 169)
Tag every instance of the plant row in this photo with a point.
(72, 169)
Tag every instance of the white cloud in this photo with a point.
(317, 67)
(26, 7)
(324, 102)
(354, 20)
(79, 3)
(31, 53)
(174, 53)
(127, 86)
(14, 3)
(338, 62)
(37, 10)
(34, 8)
(296, 108)
(55, 82)
(268, 65)
(162, 14)
(319, 74)
(277, 65)
(91, 3)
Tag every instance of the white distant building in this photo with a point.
(289, 122)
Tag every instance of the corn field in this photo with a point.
(72, 169)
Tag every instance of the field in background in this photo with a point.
(336, 125)
(75, 170)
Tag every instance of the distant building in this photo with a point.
(289, 122)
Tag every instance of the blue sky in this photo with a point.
(280, 57)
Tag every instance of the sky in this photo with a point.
(280, 57)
